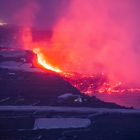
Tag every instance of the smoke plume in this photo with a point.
(92, 36)
(97, 36)
(26, 15)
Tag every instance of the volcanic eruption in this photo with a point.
(86, 83)
(37, 48)
(90, 41)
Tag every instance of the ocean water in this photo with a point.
(128, 100)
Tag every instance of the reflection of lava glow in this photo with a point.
(42, 61)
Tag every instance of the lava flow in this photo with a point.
(88, 84)
(42, 61)
(37, 48)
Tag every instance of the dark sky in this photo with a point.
(46, 11)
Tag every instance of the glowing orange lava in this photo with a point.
(42, 61)
(86, 84)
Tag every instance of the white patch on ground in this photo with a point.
(76, 98)
(54, 123)
(65, 96)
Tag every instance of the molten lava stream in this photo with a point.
(42, 61)
(87, 87)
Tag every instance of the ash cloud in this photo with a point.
(99, 36)
(26, 15)
(41, 14)
(89, 36)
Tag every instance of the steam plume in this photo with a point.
(98, 36)
(93, 36)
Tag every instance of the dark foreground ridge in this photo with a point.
(33, 89)
(39, 88)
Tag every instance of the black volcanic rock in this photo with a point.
(33, 84)
(39, 88)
